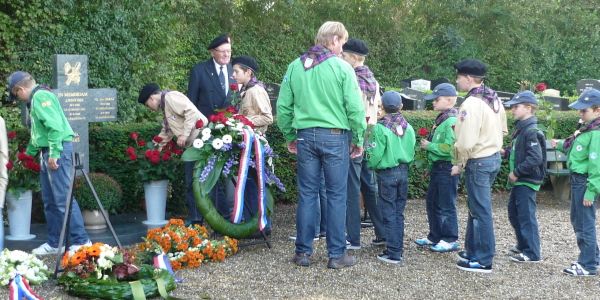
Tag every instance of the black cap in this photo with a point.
(148, 90)
(218, 41)
(471, 67)
(356, 46)
(246, 61)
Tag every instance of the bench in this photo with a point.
(559, 174)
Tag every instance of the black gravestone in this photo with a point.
(561, 104)
(413, 99)
(80, 104)
(504, 97)
(586, 84)
(439, 81)
(405, 83)
(273, 92)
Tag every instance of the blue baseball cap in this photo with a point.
(13, 79)
(391, 100)
(523, 97)
(588, 98)
(444, 89)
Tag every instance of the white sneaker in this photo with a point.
(45, 249)
(74, 248)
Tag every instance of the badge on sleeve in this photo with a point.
(463, 115)
(399, 130)
(579, 148)
(593, 155)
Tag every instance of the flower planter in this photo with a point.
(93, 219)
(19, 216)
(156, 201)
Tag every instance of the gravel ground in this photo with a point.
(257, 272)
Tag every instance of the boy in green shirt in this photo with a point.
(391, 148)
(441, 194)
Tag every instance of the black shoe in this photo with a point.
(462, 256)
(473, 266)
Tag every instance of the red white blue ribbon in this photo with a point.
(162, 261)
(261, 188)
(19, 288)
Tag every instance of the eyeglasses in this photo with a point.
(223, 51)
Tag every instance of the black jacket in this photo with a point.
(204, 88)
(529, 152)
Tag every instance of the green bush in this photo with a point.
(108, 190)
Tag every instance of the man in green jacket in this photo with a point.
(318, 103)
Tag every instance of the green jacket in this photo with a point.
(325, 96)
(49, 126)
(442, 143)
(387, 150)
(582, 158)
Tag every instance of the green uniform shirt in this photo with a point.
(511, 167)
(442, 143)
(49, 126)
(387, 150)
(325, 96)
(582, 158)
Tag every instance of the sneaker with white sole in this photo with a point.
(351, 246)
(384, 256)
(577, 270)
(473, 266)
(74, 247)
(424, 242)
(293, 237)
(444, 246)
(514, 250)
(46, 249)
(522, 258)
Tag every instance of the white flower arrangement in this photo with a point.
(227, 139)
(217, 143)
(28, 265)
(198, 143)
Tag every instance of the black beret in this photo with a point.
(148, 90)
(218, 41)
(246, 61)
(471, 67)
(356, 46)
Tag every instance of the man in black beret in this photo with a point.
(479, 134)
(209, 89)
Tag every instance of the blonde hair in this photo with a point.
(452, 99)
(329, 30)
(25, 82)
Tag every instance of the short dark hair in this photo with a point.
(532, 105)
(391, 110)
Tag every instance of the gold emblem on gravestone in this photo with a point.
(72, 72)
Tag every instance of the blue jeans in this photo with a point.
(353, 198)
(55, 187)
(217, 196)
(321, 222)
(368, 188)
(393, 191)
(441, 203)
(583, 219)
(521, 214)
(327, 149)
(479, 239)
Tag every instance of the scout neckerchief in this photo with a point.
(366, 82)
(253, 81)
(593, 125)
(451, 112)
(395, 122)
(315, 55)
(487, 95)
(162, 107)
(28, 103)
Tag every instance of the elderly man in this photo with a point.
(319, 102)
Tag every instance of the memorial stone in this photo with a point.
(504, 97)
(551, 92)
(413, 99)
(273, 92)
(439, 81)
(586, 84)
(421, 85)
(561, 104)
(405, 83)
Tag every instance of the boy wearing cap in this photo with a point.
(52, 134)
(389, 152)
(582, 160)
(360, 178)
(479, 133)
(441, 194)
(527, 164)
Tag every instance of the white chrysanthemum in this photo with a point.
(219, 126)
(206, 131)
(229, 123)
(198, 143)
(22, 269)
(29, 274)
(4, 282)
(227, 138)
(217, 143)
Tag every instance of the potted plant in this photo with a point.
(23, 179)
(155, 167)
(109, 192)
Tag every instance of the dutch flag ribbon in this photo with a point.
(19, 288)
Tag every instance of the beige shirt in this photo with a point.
(256, 107)
(372, 111)
(479, 131)
(3, 162)
(181, 115)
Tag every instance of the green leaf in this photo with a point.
(191, 154)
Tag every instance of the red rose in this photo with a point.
(9, 166)
(130, 150)
(148, 154)
(199, 124)
(231, 109)
(37, 167)
(168, 152)
(453, 127)
(213, 118)
(134, 135)
(541, 87)
(178, 151)
(12, 135)
(141, 143)
(423, 131)
(157, 139)
(155, 159)
(368, 118)
(233, 87)
(171, 144)
(224, 120)
(133, 156)
(156, 152)
(29, 165)
(22, 156)
(221, 114)
(238, 117)
(166, 157)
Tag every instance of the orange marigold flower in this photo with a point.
(77, 258)
(94, 250)
(65, 259)
(178, 222)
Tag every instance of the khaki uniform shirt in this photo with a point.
(479, 131)
(182, 116)
(256, 107)
(3, 161)
(372, 111)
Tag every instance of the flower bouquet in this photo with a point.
(186, 247)
(104, 272)
(151, 162)
(421, 160)
(23, 171)
(18, 262)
